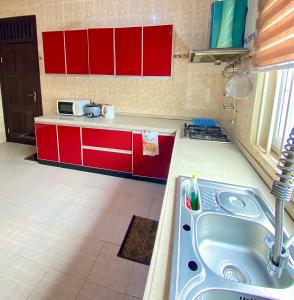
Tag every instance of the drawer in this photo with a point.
(104, 138)
(113, 161)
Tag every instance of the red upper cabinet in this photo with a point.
(46, 141)
(128, 51)
(69, 139)
(157, 50)
(101, 51)
(76, 49)
(152, 166)
(54, 55)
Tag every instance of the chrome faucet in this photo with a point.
(282, 189)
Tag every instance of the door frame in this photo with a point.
(12, 39)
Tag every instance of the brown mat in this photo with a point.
(139, 240)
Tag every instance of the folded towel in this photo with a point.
(150, 143)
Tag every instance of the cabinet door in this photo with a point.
(152, 166)
(76, 49)
(46, 141)
(157, 50)
(128, 51)
(101, 51)
(113, 161)
(69, 141)
(54, 55)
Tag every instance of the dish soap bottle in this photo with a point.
(194, 199)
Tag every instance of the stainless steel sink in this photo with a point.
(220, 251)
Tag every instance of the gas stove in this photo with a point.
(209, 133)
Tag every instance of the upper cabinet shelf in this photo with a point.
(216, 55)
(130, 51)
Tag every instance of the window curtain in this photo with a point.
(274, 43)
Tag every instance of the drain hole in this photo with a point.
(192, 265)
(234, 273)
(186, 227)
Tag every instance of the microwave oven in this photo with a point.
(72, 107)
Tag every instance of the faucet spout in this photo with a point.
(282, 190)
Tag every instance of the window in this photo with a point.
(273, 120)
(284, 119)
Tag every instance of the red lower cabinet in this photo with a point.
(152, 166)
(69, 139)
(46, 140)
(114, 161)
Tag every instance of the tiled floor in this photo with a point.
(60, 231)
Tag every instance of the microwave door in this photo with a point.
(65, 108)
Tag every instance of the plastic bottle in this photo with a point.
(194, 193)
(191, 193)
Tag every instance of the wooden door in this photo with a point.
(20, 90)
(20, 77)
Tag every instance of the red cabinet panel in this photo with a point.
(69, 140)
(76, 49)
(157, 50)
(101, 51)
(46, 140)
(104, 138)
(128, 51)
(152, 166)
(113, 161)
(54, 56)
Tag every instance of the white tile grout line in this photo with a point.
(90, 270)
(34, 288)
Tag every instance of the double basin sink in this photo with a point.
(220, 251)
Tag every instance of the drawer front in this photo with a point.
(113, 161)
(104, 138)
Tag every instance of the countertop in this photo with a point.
(122, 122)
(210, 160)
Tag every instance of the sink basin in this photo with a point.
(220, 250)
(234, 249)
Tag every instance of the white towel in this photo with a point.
(150, 143)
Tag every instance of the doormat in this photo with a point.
(139, 240)
(32, 157)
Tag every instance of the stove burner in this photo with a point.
(204, 133)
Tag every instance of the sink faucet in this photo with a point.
(282, 189)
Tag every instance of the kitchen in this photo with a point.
(156, 103)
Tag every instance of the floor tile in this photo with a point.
(110, 270)
(129, 297)
(137, 204)
(19, 276)
(137, 282)
(92, 291)
(56, 285)
(111, 227)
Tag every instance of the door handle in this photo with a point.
(34, 94)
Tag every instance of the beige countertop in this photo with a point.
(122, 122)
(210, 160)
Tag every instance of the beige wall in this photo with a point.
(241, 129)
(193, 90)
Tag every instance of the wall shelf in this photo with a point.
(217, 55)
